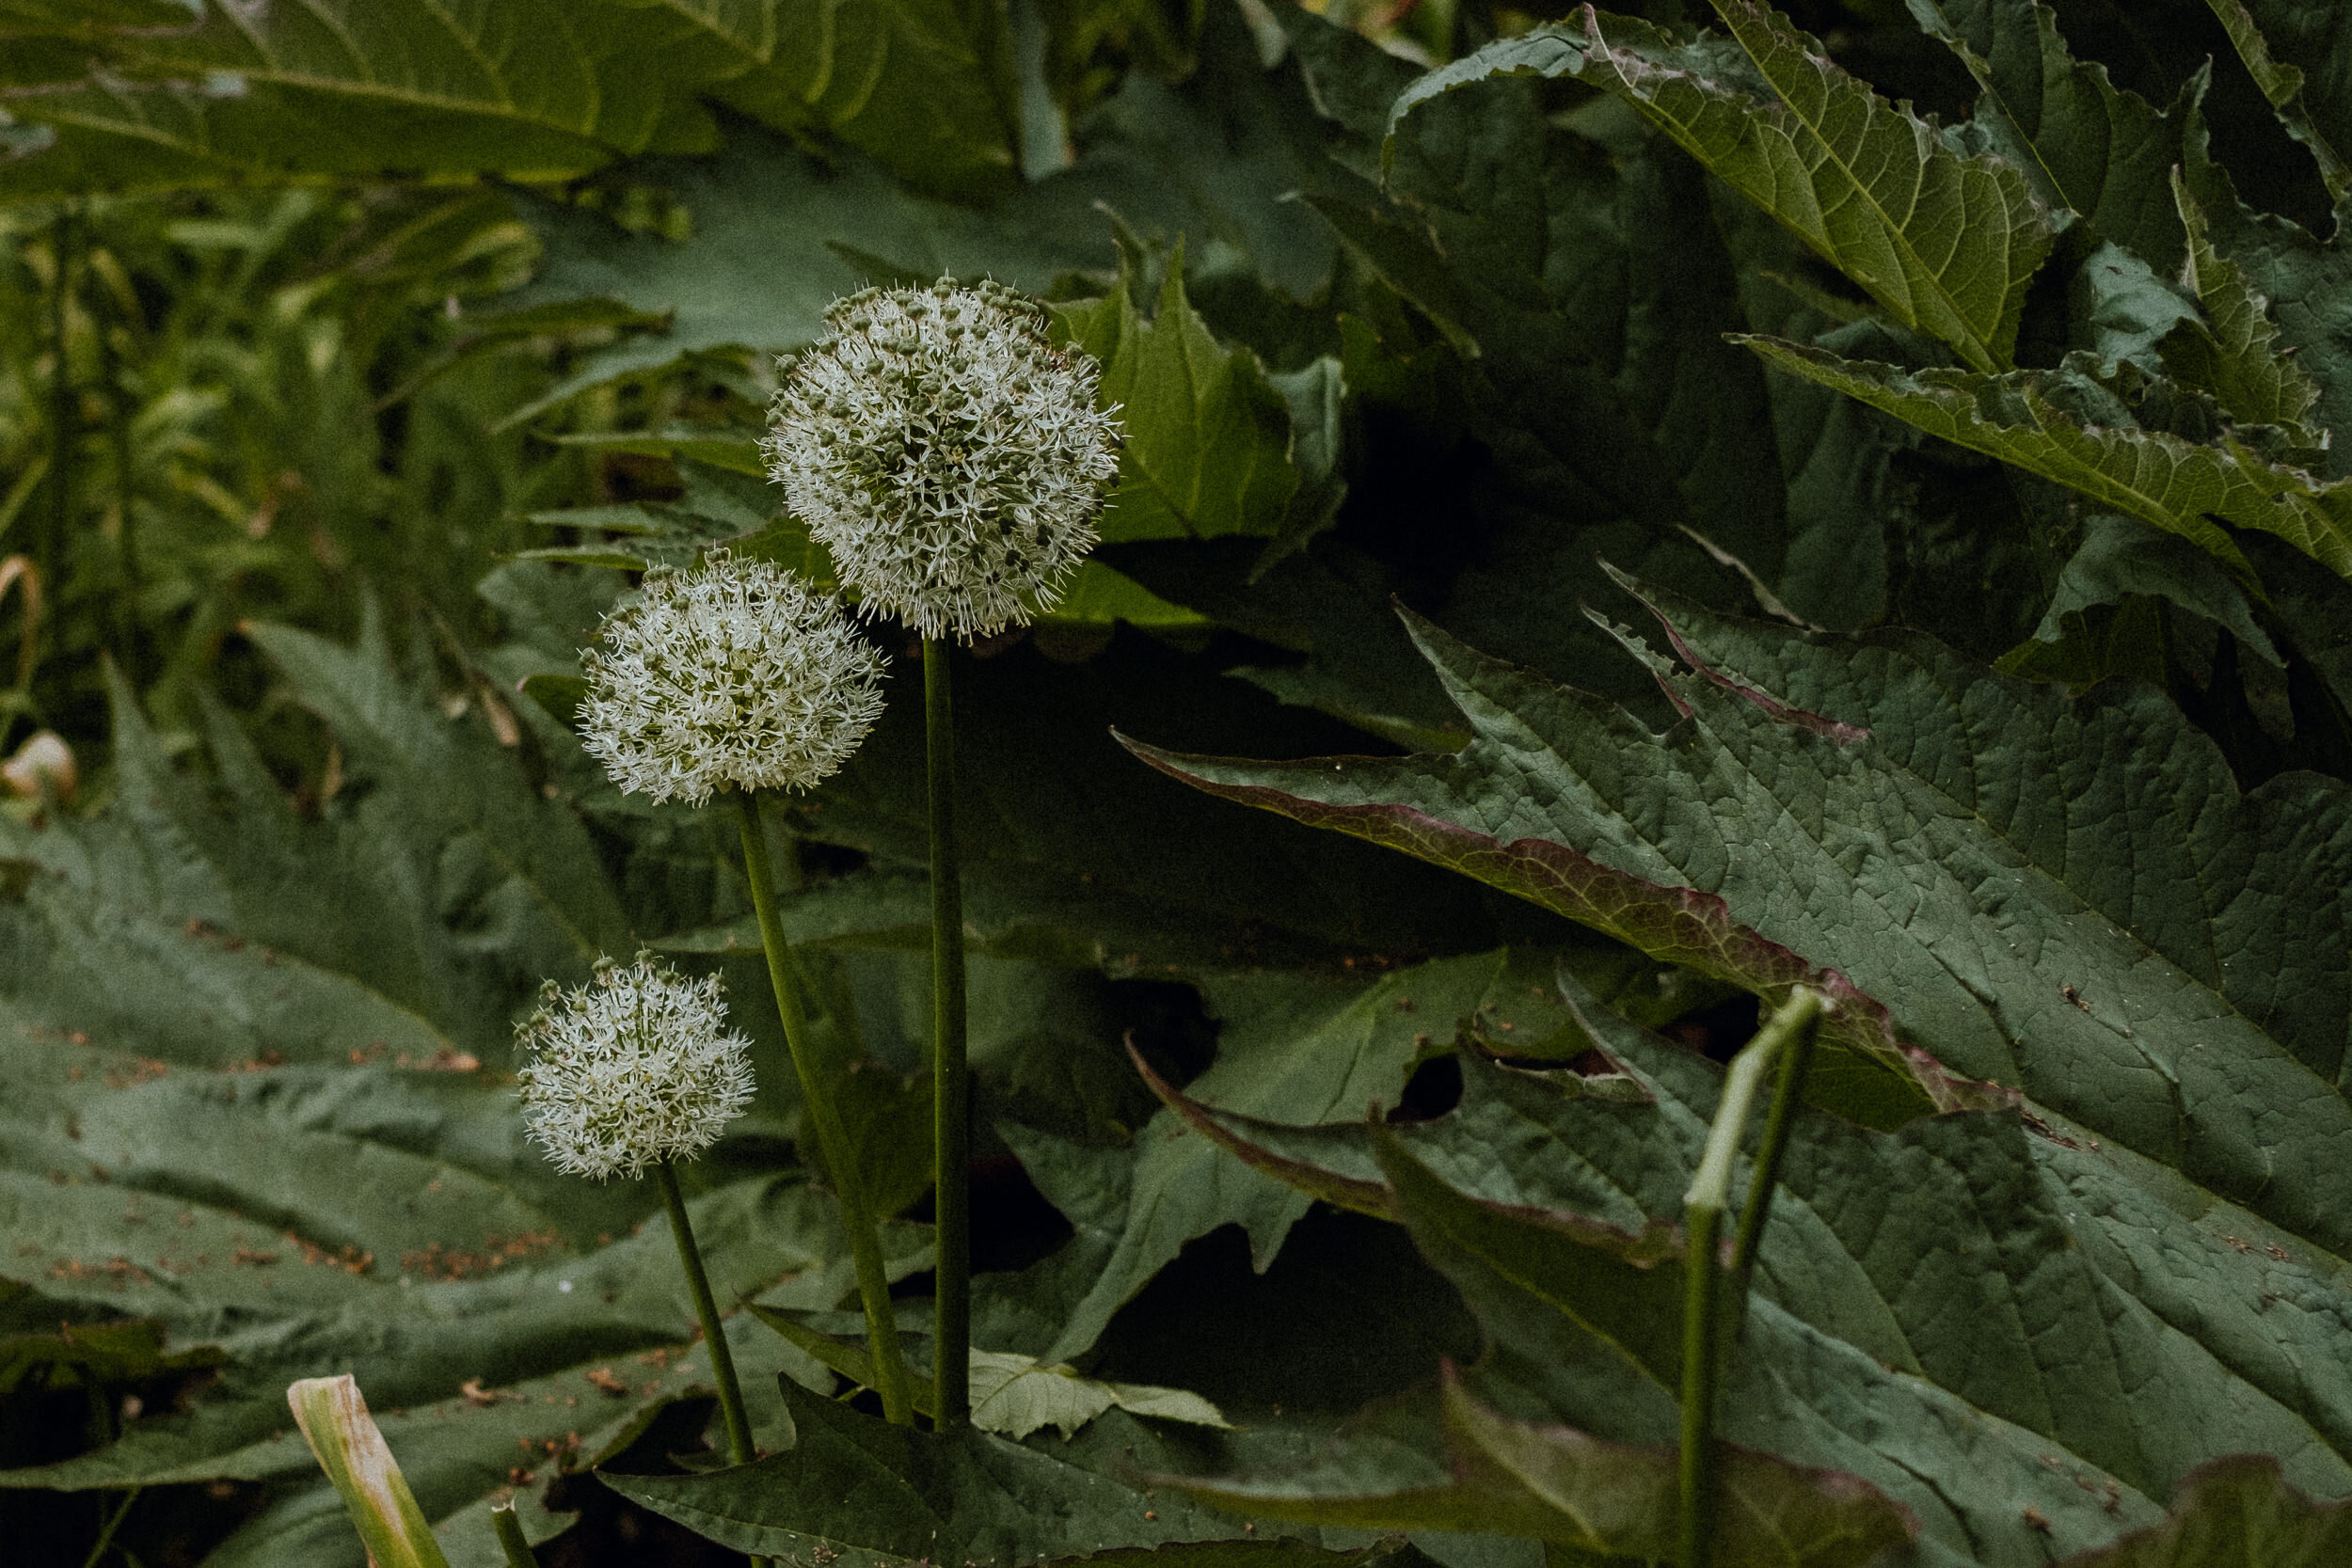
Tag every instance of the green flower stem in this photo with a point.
(1790, 1029)
(1700, 1278)
(819, 1112)
(63, 418)
(113, 1523)
(690, 1256)
(951, 1075)
(510, 1541)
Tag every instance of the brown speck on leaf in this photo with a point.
(1403, 1004)
(2276, 1252)
(608, 1380)
(2237, 1245)
(2074, 996)
(2038, 1519)
(475, 1393)
(1420, 1039)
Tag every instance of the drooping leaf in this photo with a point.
(2084, 143)
(1946, 244)
(2160, 478)
(2117, 559)
(1943, 849)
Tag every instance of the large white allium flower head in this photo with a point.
(945, 452)
(733, 672)
(630, 1069)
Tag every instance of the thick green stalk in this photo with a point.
(1791, 1028)
(951, 1077)
(818, 1112)
(1700, 1278)
(690, 1256)
(512, 1542)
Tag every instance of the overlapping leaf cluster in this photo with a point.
(1978, 477)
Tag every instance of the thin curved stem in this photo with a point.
(690, 1258)
(818, 1112)
(951, 1076)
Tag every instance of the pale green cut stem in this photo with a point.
(818, 1113)
(951, 1075)
(510, 1541)
(1791, 1028)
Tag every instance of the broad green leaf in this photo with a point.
(315, 88)
(853, 1484)
(2117, 561)
(2177, 484)
(1950, 853)
(1583, 292)
(924, 85)
(2234, 1513)
(1015, 1395)
(2311, 110)
(2236, 356)
(1206, 449)
(535, 856)
(778, 234)
(2084, 144)
(1990, 1285)
(335, 1422)
(1286, 1042)
(1582, 1493)
(1946, 244)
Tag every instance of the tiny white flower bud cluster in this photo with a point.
(948, 456)
(733, 672)
(630, 1069)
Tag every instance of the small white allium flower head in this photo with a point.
(945, 452)
(630, 1069)
(733, 673)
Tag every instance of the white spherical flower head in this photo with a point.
(733, 673)
(946, 453)
(630, 1069)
